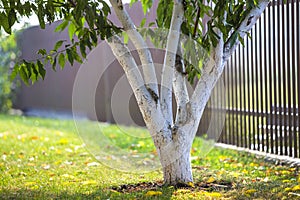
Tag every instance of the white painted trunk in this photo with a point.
(175, 155)
(179, 171)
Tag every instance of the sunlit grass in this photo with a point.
(46, 159)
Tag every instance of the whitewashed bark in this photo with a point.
(179, 171)
(149, 108)
(169, 61)
(140, 45)
(180, 88)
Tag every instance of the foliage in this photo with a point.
(203, 30)
(43, 159)
(8, 54)
(88, 22)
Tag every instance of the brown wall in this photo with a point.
(55, 92)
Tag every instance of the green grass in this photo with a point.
(46, 159)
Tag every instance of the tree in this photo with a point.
(228, 23)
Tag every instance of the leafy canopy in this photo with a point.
(87, 21)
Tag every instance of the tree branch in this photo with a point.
(169, 61)
(180, 89)
(211, 72)
(244, 28)
(197, 21)
(140, 45)
(149, 108)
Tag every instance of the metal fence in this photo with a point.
(262, 83)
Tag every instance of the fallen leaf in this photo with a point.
(254, 165)
(34, 138)
(68, 162)
(211, 180)
(68, 176)
(45, 166)
(30, 183)
(287, 189)
(286, 181)
(89, 182)
(211, 194)
(250, 191)
(296, 188)
(4, 157)
(31, 159)
(63, 141)
(191, 184)
(182, 191)
(153, 193)
(69, 150)
(92, 164)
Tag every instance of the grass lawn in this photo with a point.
(45, 159)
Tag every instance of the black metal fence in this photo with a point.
(262, 84)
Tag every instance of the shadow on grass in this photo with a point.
(143, 190)
(99, 193)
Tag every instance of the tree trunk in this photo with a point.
(179, 171)
(174, 153)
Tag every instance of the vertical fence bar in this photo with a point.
(229, 102)
(272, 58)
(294, 78)
(244, 96)
(279, 104)
(256, 66)
(248, 92)
(265, 123)
(252, 87)
(282, 105)
(232, 100)
(236, 108)
(242, 134)
(261, 142)
(288, 125)
(275, 83)
(298, 68)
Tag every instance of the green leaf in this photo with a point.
(54, 63)
(62, 26)
(23, 74)
(132, 2)
(71, 30)
(41, 16)
(42, 52)
(14, 72)
(233, 38)
(241, 40)
(42, 71)
(143, 22)
(61, 60)
(146, 5)
(70, 56)
(4, 22)
(105, 8)
(12, 17)
(58, 44)
(151, 24)
(82, 49)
